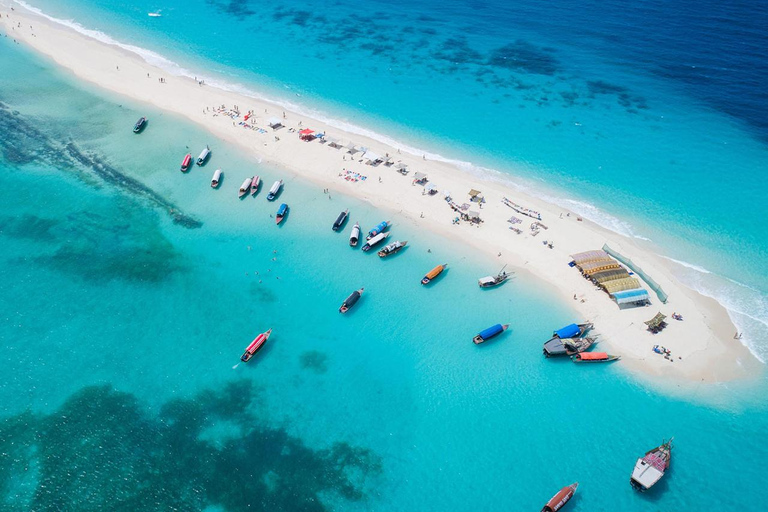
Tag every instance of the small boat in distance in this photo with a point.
(380, 228)
(154, 14)
(255, 182)
(355, 235)
(281, 213)
(651, 467)
(140, 124)
(432, 274)
(491, 281)
(244, 187)
(216, 179)
(186, 163)
(204, 154)
(393, 248)
(340, 220)
(375, 240)
(489, 333)
(255, 345)
(567, 346)
(594, 357)
(274, 190)
(351, 300)
(559, 500)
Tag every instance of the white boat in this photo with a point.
(204, 154)
(375, 240)
(244, 187)
(255, 182)
(355, 236)
(651, 467)
(155, 14)
(216, 179)
(274, 190)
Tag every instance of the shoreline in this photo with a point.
(704, 340)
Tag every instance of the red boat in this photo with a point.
(559, 500)
(186, 163)
(255, 345)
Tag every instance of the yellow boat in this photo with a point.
(434, 273)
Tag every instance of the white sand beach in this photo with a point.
(702, 345)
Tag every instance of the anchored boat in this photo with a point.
(140, 124)
(340, 220)
(491, 281)
(375, 240)
(594, 357)
(432, 274)
(380, 228)
(255, 182)
(255, 345)
(244, 187)
(216, 178)
(651, 467)
(567, 346)
(274, 190)
(489, 333)
(204, 154)
(554, 346)
(186, 163)
(355, 235)
(559, 500)
(390, 249)
(351, 300)
(281, 213)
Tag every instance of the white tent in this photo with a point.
(274, 123)
(372, 157)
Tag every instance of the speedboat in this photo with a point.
(255, 345)
(375, 240)
(432, 274)
(380, 228)
(274, 190)
(651, 467)
(281, 213)
(594, 357)
(393, 248)
(491, 281)
(559, 500)
(355, 236)
(216, 178)
(204, 154)
(140, 124)
(489, 333)
(351, 300)
(244, 187)
(255, 182)
(186, 163)
(340, 220)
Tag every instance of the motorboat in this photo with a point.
(255, 345)
(375, 240)
(380, 228)
(255, 182)
(140, 124)
(245, 187)
(393, 248)
(432, 274)
(594, 357)
(340, 220)
(355, 235)
(651, 467)
(274, 190)
(186, 163)
(562, 497)
(281, 213)
(351, 300)
(491, 281)
(568, 346)
(204, 154)
(489, 333)
(216, 178)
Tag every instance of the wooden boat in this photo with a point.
(594, 357)
(375, 240)
(355, 235)
(281, 213)
(489, 333)
(393, 248)
(559, 500)
(204, 154)
(216, 179)
(186, 163)
(651, 467)
(244, 187)
(255, 182)
(491, 281)
(255, 345)
(432, 274)
(274, 190)
(340, 220)
(140, 124)
(567, 347)
(380, 228)
(351, 300)
(573, 330)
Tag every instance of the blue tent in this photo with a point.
(569, 331)
(491, 331)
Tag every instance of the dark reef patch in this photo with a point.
(102, 450)
(314, 360)
(240, 9)
(526, 57)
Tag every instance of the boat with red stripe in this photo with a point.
(255, 345)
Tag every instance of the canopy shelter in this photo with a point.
(388, 160)
(473, 216)
(352, 148)
(569, 331)
(474, 193)
(275, 123)
(598, 266)
(333, 142)
(372, 158)
(619, 285)
(653, 285)
(306, 131)
(307, 134)
(638, 296)
(431, 188)
(419, 177)
(586, 257)
(656, 321)
(400, 165)
(609, 275)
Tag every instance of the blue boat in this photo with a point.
(281, 213)
(380, 228)
(572, 333)
(489, 333)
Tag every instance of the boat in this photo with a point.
(491, 281)
(355, 235)
(651, 467)
(244, 187)
(255, 345)
(393, 248)
(594, 357)
(573, 330)
(255, 182)
(216, 179)
(375, 240)
(186, 163)
(340, 220)
(432, 274)
(489, 333)
(140, 124)
(567, 346)
(204, 154)
(559, 500)
(274, 190)
(380, 228)
(281, 213)
(351, 300)
(154, 14)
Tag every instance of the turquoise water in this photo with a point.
(130, 291)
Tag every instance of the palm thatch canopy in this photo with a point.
(656, 321)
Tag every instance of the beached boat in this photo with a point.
(651, 467)
(186, 163)
(244, 187)
(354, 237)
(281, 213)
(390, 249)
(573, 330)
(380, 228)
(491, 281)
(255, 345)
(375, 240)
(594, 357)
(340, 220)
(432, 274)
(255, 182)
(140, 124)
(216, 178)
(559, 500)
(351, 300)
(274, 190)
(204, 154)
(489, 333)
(567, 347)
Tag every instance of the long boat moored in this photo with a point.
(489, 333)
(491, 281)
(255, 345)
(140, 124)
(567, 346)
(351, 300)
(340, 220)
(354, 237)
(274, 190)
(281, 213)
(393, 248)
(204, 154)
(432, 274)
(186, 163)
(559, 500)
(244, 187)
(594, 357)
(375, 240)
(216, 179)
(651, 467)
(255, 182)
(380, 228)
